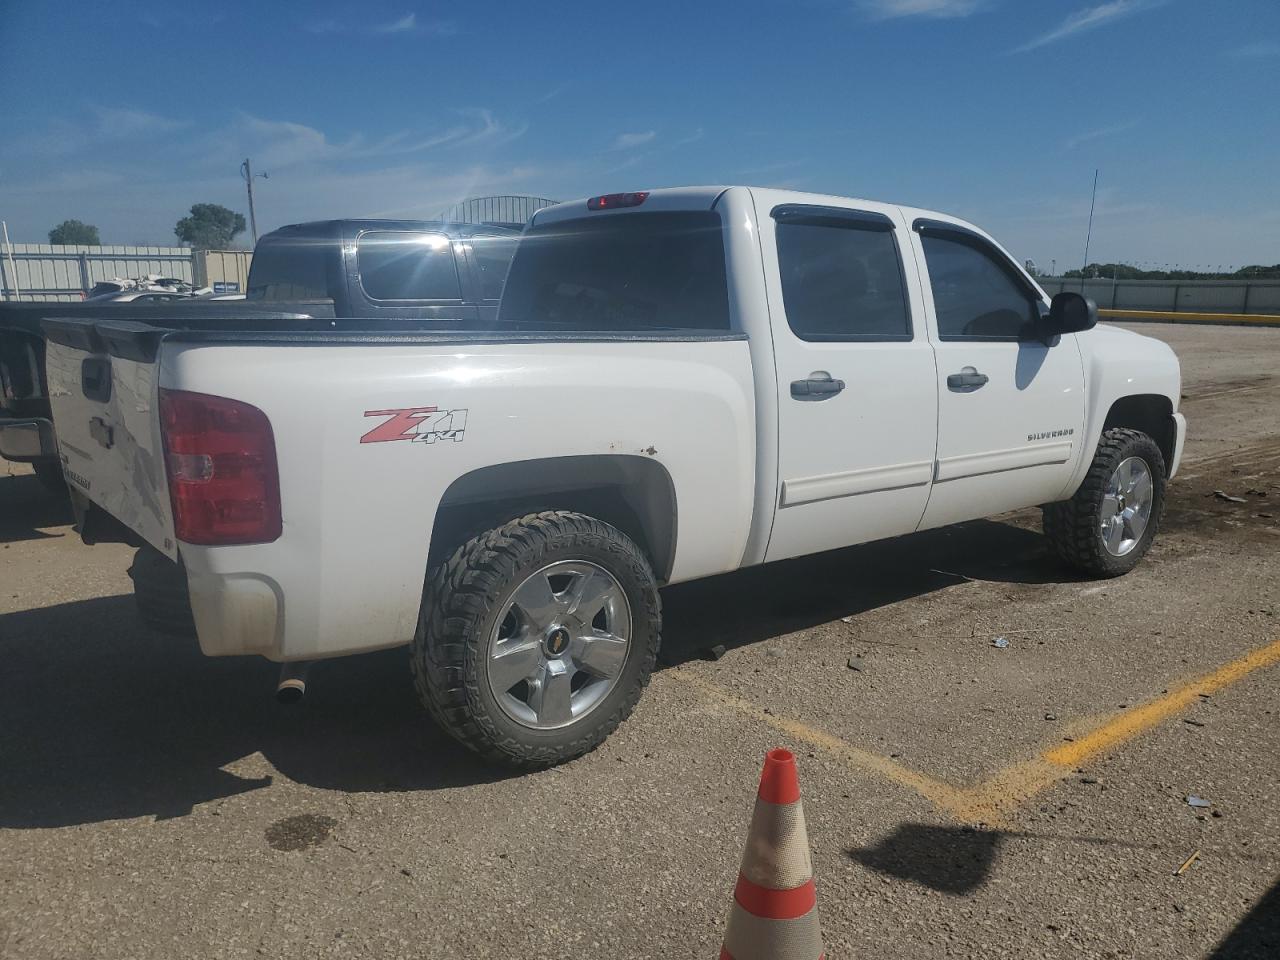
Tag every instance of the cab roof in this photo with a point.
(705, 198)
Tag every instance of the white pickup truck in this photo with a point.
(679, 383)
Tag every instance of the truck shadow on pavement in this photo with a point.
(780, 598)
(104, 720)
(28, 507)
(1257, 936)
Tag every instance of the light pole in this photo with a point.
(247, 174)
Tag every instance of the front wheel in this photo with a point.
(1108, 526)
(536, 638)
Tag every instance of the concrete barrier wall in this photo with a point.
(1176, 296)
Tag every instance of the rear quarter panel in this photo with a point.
(348, 571)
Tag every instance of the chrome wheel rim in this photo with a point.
(1126, 506)
(559, 645)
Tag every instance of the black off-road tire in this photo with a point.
(464, 595)
(1073, 526)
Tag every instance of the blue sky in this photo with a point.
(124, 115)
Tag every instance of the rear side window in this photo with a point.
(396, 265)
(842, 279)
(631, 271)
(975, 295)
(492, 257)
(285, 270)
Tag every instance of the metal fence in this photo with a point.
(46, 271)
(508, 210)
(1175, 296)
(35, 272)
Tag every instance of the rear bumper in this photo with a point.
(1179, 440)
(229, 615)
(27, 440)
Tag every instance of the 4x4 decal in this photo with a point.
(419, 424)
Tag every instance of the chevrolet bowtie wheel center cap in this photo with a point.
(557, 642)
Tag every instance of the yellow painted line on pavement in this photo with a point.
(1129, 724)
(942, 795)
(1000, 794)
(1261, 319)
(1020, 782)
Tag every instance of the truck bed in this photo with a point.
(543, 412)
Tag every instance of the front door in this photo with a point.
(857, 406)
(1010, 407)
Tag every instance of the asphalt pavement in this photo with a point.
(964, 799)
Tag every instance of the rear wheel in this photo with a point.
(1108, 526)
(536, 638)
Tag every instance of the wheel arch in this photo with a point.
(633, 493)
(1151, 413)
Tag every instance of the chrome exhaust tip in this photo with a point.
(292, 685)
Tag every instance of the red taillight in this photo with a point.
(611, 201)
(220, 456)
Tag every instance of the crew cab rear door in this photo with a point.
(104, 387)
(858, 405)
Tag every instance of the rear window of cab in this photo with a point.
(633, 271)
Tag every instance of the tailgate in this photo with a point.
(103, 387)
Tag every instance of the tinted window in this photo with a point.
(621, 272)
(976, 298)
(492, 257)
(407, 266)
(842, 283)
(287, 270)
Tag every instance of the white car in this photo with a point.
(680, 383)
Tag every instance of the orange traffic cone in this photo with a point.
(775, 907)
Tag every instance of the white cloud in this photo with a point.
(1099, 134)
(406, 23)
(1089, 18)
(938, 9)
(123, 122)
(1258, 50)
(409, 23)
(97, 127)
(629, 141)
(286, 143)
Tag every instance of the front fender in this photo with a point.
(1117, 364)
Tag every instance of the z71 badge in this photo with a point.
(419, 424)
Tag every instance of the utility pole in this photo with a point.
(247, 174)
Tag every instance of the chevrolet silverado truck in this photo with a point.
(678, 383)
(390, 270)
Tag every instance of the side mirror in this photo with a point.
(1071, 313)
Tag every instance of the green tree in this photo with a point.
(210, 226)
(74, 232)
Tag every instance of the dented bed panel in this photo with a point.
(108, 428)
